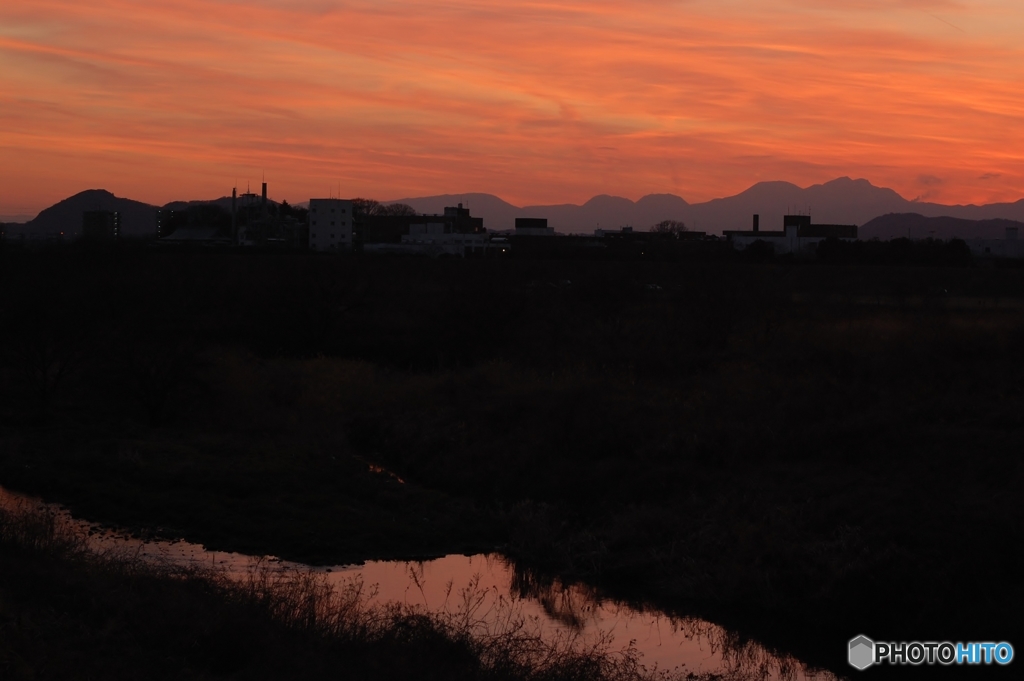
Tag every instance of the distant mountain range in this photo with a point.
(841, 201)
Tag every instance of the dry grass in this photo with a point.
(67, 613)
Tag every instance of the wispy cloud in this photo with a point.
(163, 99)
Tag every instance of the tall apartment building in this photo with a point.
(101, 225)
(330, 225)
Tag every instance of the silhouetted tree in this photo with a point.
(373, 207)
(956, 253)
(286, 210)
(669, 227)
(759, 251)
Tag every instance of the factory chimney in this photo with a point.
(264, 197)
(234, 214)
(757, 220)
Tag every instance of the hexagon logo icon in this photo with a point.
(862, 652)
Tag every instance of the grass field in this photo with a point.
(802, 451)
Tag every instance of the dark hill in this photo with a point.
(137, 218)
(917, 226)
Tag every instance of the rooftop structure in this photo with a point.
(533, 227)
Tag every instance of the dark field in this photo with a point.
(801, 451)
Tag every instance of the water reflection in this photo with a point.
(485, 590)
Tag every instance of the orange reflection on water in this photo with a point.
(485, 591)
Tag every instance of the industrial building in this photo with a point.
(1008, 247)
(438, 238)
(798, 236)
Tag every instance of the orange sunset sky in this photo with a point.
(537, 102)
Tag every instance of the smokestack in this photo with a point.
(264, 197)
(234, 214)
(757, 220)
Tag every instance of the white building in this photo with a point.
(330, 225)
(436, 238)
(1009, 247)
(533, 227)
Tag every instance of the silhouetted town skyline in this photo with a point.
(349, 225)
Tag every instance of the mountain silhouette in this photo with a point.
(840, 201)
(601, 211)
(137, 218)
(612, 212)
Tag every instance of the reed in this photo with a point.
(68, 613)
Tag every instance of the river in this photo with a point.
(492, 588)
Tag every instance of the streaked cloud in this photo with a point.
(534, 101)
